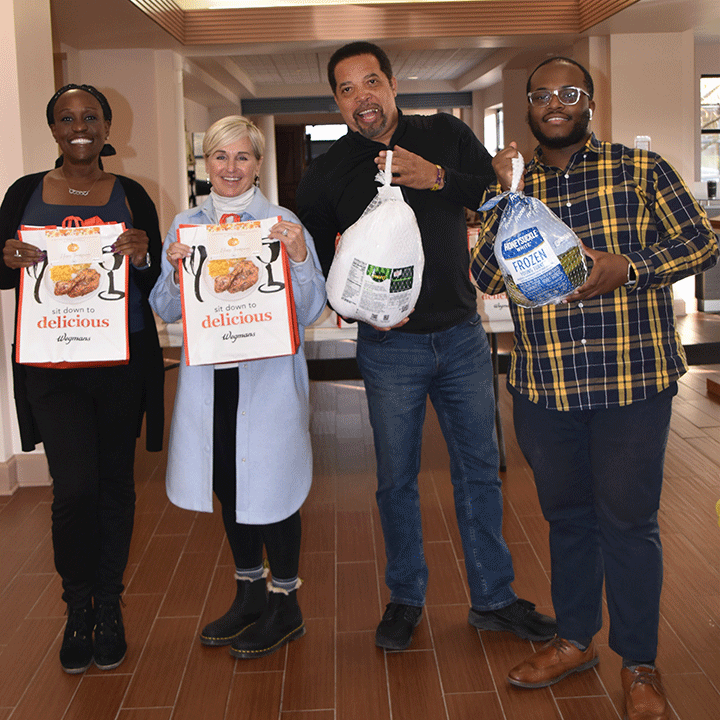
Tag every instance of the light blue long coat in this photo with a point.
(274, 457)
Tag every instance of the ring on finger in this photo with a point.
(17, 253)
(285, 232)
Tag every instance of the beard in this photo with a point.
(375, 130)
(578, 132)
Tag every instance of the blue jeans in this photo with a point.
(598, 475)
(452, 367)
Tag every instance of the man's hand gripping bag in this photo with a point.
(540, 257)
(377, 270)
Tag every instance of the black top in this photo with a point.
(144, 216)
(339, 185)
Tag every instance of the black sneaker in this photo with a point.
(76, 652)
(396, 627)
(519, 618)
(110, 645)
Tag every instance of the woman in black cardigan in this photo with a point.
(89, 418)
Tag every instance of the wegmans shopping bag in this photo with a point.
(73, 306)
(377, 270)
(236, 291)
(540, 257)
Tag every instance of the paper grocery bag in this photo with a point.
(73, 307)
(236, 291)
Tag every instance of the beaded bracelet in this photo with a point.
(438, 179)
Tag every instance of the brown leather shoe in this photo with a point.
(554, 661)
(644, 694)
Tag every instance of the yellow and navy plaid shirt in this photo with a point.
(622, 347)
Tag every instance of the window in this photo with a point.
(494, 129)
(710, 127)
(321, 137)
(324, 133)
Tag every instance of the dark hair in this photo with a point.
(589, 85)
(354, 49)
(104, 104)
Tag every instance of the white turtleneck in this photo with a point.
(231, 205)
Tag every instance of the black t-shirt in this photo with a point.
(340, 184)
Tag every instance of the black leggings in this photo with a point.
(281, 539)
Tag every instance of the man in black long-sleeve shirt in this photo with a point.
(440, 351)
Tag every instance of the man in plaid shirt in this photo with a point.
(592, 379)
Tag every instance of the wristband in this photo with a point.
(438, 179)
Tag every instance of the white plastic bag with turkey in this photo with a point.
(377, 270)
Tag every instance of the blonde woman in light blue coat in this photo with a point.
(242, 432)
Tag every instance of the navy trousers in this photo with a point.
(599, 475)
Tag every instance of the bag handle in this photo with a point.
(518, 165)
(387, 177)
(227, 218)
(75, 221)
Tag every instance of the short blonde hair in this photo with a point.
(230, 129)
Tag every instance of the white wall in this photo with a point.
(144, 89)
(268, 169)
(197, 117)
(26, 145)
(594, 54)
(653, 93)
(514, 102)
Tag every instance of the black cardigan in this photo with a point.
(144, 218)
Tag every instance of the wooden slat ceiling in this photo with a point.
(592, 12)
(166, 13)
(378, 22)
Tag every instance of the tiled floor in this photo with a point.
(180, 576)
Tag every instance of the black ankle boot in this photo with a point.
(248, 606)
(110, 645)
(76, 652)
(281, 622)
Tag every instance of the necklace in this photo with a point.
(84, 193)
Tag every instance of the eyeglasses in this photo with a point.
(566, 95)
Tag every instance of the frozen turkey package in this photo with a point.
(541, 258)
(377, 270)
